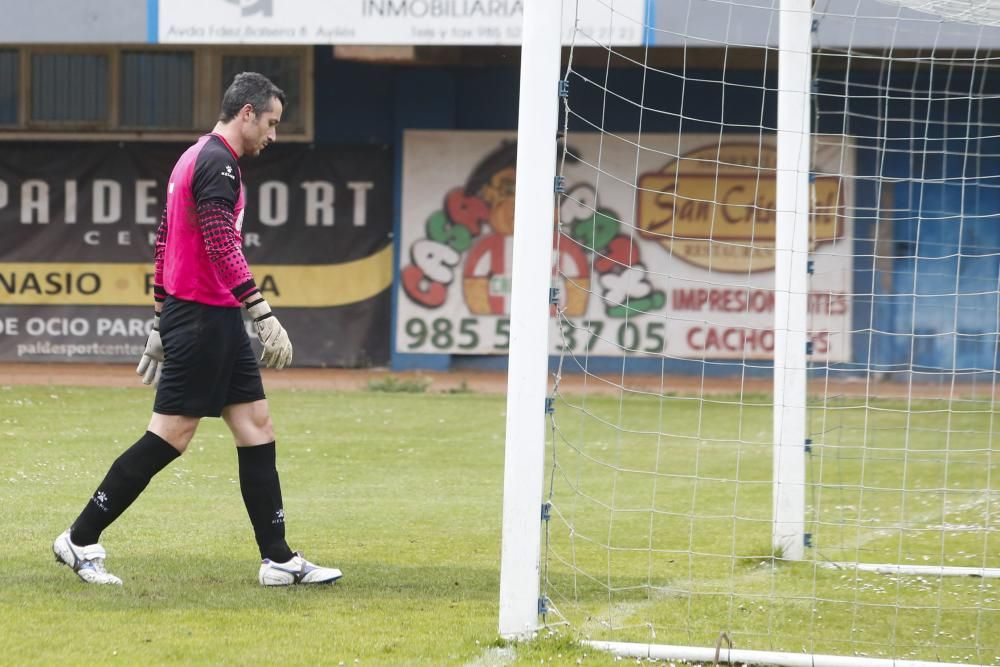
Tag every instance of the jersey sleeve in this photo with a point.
(159, 293)
(217, 223)
(216, 177)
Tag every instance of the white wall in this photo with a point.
(67, 21)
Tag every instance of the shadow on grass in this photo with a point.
(175, 582)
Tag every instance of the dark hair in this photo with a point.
(249, 88)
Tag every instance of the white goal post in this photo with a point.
(526, 380)
(791, 286)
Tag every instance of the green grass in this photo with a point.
(662, 526)
(403, 492)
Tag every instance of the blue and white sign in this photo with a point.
(378, 22)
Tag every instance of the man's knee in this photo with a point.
(250, 423)
(264, 426)
(177, 430)
(262, 418)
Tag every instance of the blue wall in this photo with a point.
(933, 300)
(945, 235)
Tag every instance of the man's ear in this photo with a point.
(247, 112)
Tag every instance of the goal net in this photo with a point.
(778, 438)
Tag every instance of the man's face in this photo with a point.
(261, 128)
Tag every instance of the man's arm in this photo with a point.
(216, 220)
(159, 293)
(217, 223)
(150, 364)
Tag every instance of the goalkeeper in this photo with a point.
(198, 354)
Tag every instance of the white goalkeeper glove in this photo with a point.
(273, 337)
(151, 363)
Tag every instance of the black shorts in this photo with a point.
(209, 363)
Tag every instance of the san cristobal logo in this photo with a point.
(714, 207)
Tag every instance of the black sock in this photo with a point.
(128, 476)
(262, 495)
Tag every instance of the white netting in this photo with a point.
(660, 458)
(977, 12)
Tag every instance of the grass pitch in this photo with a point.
(403, 492)
(661, 527)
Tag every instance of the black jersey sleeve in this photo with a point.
(216, 174)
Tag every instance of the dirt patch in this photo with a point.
(122, 375)
(495, 382)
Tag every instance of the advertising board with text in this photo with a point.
(665, 246)
(78, 221)
(399, 22)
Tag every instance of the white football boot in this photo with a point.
(87, 562)
(296, 571)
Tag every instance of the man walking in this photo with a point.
(198, 354)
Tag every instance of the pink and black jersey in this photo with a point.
(199, 254)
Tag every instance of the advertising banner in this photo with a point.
(666, 245)
(77, 227)
(382, 22)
